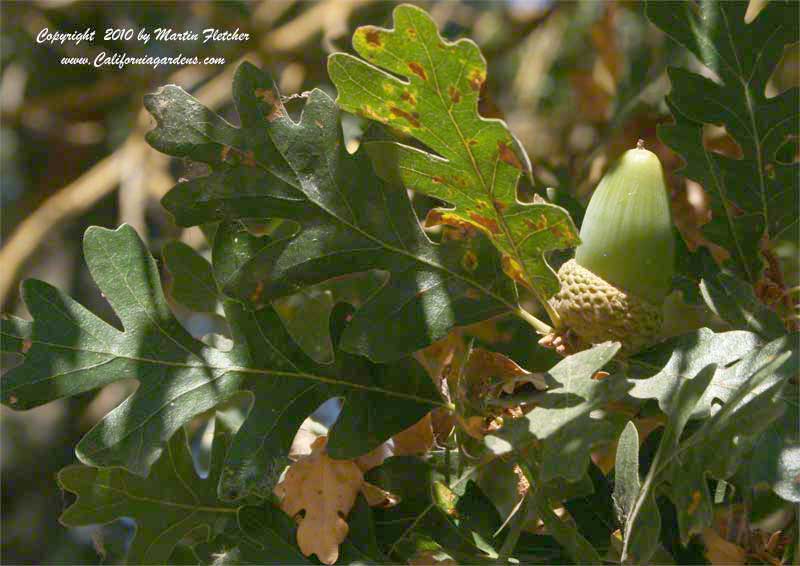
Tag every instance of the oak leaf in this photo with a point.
(326, 489)
(416, 439)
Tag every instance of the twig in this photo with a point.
(80, 195)
(328, 17)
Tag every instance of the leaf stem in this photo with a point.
(540, 326)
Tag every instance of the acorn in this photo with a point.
(615, 287)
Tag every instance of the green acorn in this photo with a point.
(615, 287)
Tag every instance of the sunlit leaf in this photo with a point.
(474, 163)
(172, 502)
(755, 198)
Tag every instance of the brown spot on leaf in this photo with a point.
(507, 155)
(562, 232)
(472, 141)
(26, 345)
(472, 293)
(256, 295)
(455, 94)
(373, 37)
(499, 206)
(368, 111)
(12, 399)
(408, 97)
(437, 217)
(537, 225)
(487, 223)
(476, 78)
(412, 33)
(695, 503)
(269, 97)
(434, 217)
(412, 117)
(249, 159)
(600, 375)
(418, 70)
(735, 210)
(513, 269)
(469, 261)
(436, 179)
(225, 151)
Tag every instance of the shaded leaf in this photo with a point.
(172, 502)
(574, 544)
(261, 535)
(15, 334)
(361, 545)
(561, 420)
(732, 430)
(425, 512)
(193, 283)
(347, 220)
(179, 377)
(757, 195)
(668, 364)
(593, 513)
(776, 461)
(643, 527)
(477, 162)
(306, 314)
(733, 300)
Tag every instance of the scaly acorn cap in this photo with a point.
(622, 271)
(597, 311)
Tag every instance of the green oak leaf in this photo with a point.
(643, 522)
(593, 513)
(659, 371)
(561, 422)
(734, 430)
(739, 354)
(757, 196)
(269, 537)
(346, 219)
(626, 472)
(473, 164)
(72, 351)
(426, 512)
(171, 503)
(15, 334)
(777, 459)
(193, 284)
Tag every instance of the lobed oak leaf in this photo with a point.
(326, 490)
(470, 162)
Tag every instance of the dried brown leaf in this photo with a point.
(416, 439)
(377, 497)
(325, 489)
(720, 551)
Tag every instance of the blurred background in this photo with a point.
(578, 83)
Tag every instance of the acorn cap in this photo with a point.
(597, 311)
(626, 236)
